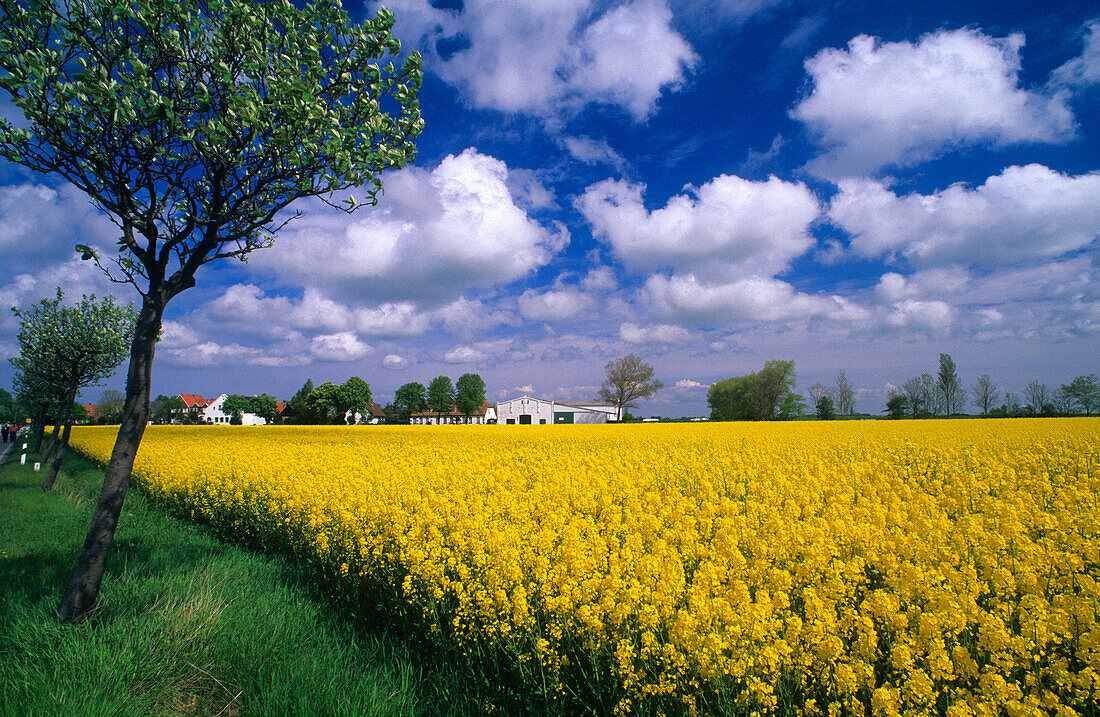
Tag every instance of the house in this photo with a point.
(373, 415)
(213, 413)
(485, 414)
(526, 410)
(93, 412)
(193, 406)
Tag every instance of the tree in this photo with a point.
(351, 398)
(920, 393)
(897, 406)
(818, 390)
(408, 399)
(791, 407)
(769, 387)
(111, 404)
(845, 395)
(469, 394)
(985, 393)
(299, 405)
(164, 409)
(731, 399)
(69, 347)
(441, 395)
(824, 409)
(321, 404)
(629, 379)
(1085, 392)
(265, 406)
(1063, 401)
(1037, 395)
(951, 395)
(236, 406)
(194, 124)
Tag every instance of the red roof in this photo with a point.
(92, 410)
(193, 400)
(485, 405)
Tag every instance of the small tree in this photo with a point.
(409, 399)
(321, 404)
(731, 399)
(985, 393)
(897, 406)
(824, 409)
(299, 405)
(195, 124)
(770, 385)
(1037, 395)
(266, 407)
(1085, 392)
(164, 409)
(236, 406)
(950, 393)
(792, 407)
(469, 394)
(845, 395)
(352, 398)
(1063, 401)
(629, 379)
(441, 395)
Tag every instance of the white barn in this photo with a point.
(526, 410)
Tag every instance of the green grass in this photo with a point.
(185, 624)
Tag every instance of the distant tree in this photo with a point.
(352, 398)
(824, 409)
(818, 390)
(951, 394)
(164, 409)
(1085, 392)
(1037, 395)
(897, 406)
(441, 395)
(791, 407)
(322, 404)
(844, 395)
(771, 383)
(731, 399)
(1062, 401)
(985, 393)
(410, 398)
(628, 380)
(110, 406)
(469, 394)
(920, 393)
(299, 406)
(236, 406)
(265, 406)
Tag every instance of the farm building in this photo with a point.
(527, 411)
(485, 414)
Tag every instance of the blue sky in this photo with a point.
(854, 186)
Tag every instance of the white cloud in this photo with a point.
(552, 305)
(880, 104)
(687, 383)
(391, 320)
(551, 58)
(593, 151)
(435, 234)
(655, 334)
(343, 346)
(599, 278)
(921, 315)
(730, 226)
(395, 362)
(686, 298)
(468, 317)
(465, 354)
(39, 225)
(1085, 69)
(1024, 213)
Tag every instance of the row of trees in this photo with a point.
(764, 395)
(440, 396)
(925, 396)
(328, 403)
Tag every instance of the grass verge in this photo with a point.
(185, 624)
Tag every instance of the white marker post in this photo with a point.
(23, 458)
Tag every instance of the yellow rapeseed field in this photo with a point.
(888, 567)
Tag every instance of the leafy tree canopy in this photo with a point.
(441, 395)
(469, 393)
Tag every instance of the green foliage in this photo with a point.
(409, 399)
(792, 407)
(825, 410)
(321, 403)
(759, 396)
(352, 398)
(469, 393)
(1084, 392)
(111, 403)
(163, 409)
(8, 411)
(299, 405)
(441, 395)
(265, 406)
(897, 406)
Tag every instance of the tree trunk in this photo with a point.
(81, 594)
(55, 464)
(53, 436)
(39, 429)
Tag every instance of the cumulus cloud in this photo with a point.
(921, 315)
(548, 58)
(687, 383)
(880, 104)
(436, 234)
(1085, 69)
(686, 298)
(395, 362)
(552, 305)
(40, 225)
(465, 354)
(343, 346)
(655, 334)
(1024, 213)
(729, 226)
